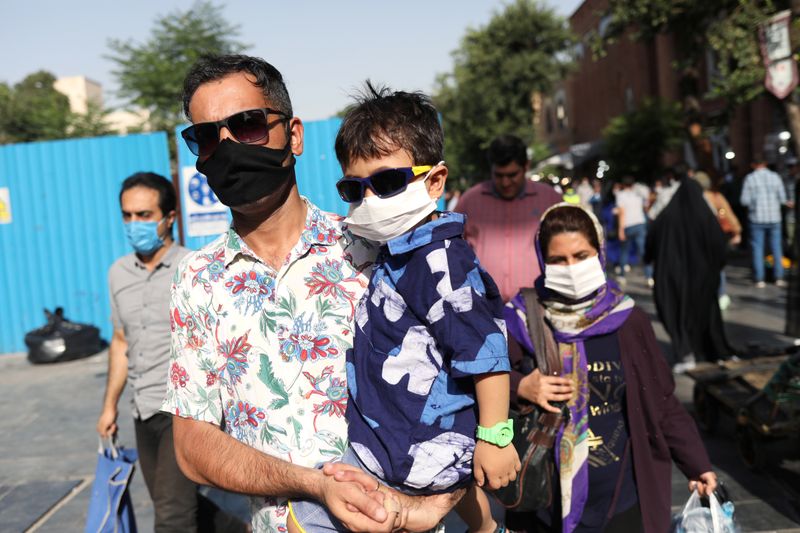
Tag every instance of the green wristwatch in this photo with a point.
(500, 434)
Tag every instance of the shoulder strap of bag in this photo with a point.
(544, 345)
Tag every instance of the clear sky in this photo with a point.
(324, 49)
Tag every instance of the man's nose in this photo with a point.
(225, 133)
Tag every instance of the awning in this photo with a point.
(575, 156)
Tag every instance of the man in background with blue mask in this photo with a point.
(139, 353)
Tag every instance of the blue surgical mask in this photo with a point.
(143, 236)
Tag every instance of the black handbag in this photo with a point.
(535, 429)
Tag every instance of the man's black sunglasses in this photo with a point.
(247, 127)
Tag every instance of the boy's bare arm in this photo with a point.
(491, 464)
(493, 393)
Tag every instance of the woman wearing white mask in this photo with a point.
(613, 455)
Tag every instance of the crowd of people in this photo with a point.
(358, 373)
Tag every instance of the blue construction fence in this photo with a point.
(61, 228)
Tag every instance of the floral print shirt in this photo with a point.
(263, 352)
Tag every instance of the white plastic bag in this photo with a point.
(698, 519)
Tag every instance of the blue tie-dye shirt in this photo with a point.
(430, 321)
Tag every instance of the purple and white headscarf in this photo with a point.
(572, 323)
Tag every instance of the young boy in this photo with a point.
(429, 338)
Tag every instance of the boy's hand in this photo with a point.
(494, 466)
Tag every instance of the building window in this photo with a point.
(578, 51)
(602, 27)
(630, 103)
(713, 75)
(561, 110)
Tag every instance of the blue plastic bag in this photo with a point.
(110, 506)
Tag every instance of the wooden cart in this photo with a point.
(762, 394)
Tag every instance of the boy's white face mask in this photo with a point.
(575, 281)
(382, 219)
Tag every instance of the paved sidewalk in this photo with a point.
(48, 445)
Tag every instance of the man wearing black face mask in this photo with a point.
(262, 317)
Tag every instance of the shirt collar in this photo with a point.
(522, 192)
(166, 261)
(447, 226)
(321, 229)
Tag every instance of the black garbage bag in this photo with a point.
(61, 340)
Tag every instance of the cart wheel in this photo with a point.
(751, 448)
(706, 410)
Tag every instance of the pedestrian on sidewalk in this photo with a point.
(615, 452)
(394, 175)
(688, 251)
(763, 194)
(503, 216)
(632, 226)
(263, 316)
(139, 352)
(728, 222)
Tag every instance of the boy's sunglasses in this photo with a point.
(246, 127)
(384, 183)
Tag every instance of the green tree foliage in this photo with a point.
(498, 68)
(636, 141)
(33, 110)
(726, 28)
(150, 74)
(5, 112)
(90, 124)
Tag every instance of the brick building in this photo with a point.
(572, 119)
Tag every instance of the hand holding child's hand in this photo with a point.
(493, 466)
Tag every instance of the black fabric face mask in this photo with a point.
(243, 173)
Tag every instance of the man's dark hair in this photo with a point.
(382, 121)
(214, 67)
(759, 159)
(507, 148)
(679, 171)
(166, 191)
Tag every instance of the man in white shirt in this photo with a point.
(632, 225)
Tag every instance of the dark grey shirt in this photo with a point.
(140, 307)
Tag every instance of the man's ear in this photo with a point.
(435, 182)
(171, 217)
(297, 132)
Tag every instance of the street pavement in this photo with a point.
(48, 445)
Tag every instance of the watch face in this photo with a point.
(505, 436)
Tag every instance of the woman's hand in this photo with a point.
(541, 390)
(705, 483)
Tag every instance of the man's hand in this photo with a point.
(107, 423)
(418, 513)
(705, 484)
(357, 508)
(494, 466)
